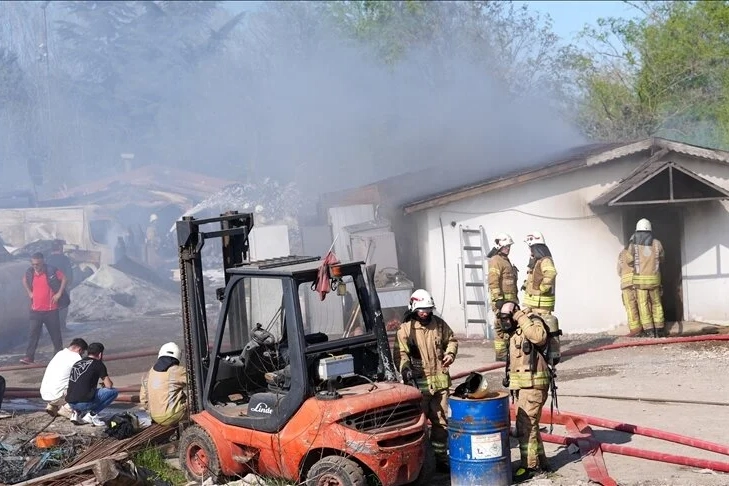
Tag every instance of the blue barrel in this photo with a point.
(478, 441)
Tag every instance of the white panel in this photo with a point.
(379, 249)
(269, 242)
(343, 216)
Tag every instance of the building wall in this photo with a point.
(705, 269)
(584, 243)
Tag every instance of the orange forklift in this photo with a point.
(297, 380)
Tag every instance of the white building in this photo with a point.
(586, 205)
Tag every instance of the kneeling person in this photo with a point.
(163, 388)
(85, 399)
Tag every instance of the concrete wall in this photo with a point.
(585, 244)
(705, 269)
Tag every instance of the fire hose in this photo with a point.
(591, 449)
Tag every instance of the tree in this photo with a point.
(666, 74)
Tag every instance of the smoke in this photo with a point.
(294, 97)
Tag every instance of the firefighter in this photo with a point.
(539, 287)
(424, 349)
(529, 379)
(648, 255)
(630, 301)
(502, 285)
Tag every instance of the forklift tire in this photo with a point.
(198, 455)
(429, 467)
(335, 471)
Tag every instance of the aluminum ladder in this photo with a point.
(474, 268)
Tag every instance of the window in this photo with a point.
(336, 316)
(253, 301)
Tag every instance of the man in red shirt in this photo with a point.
(45, 285)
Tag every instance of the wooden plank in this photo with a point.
(72, 470)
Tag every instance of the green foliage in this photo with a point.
(663, 75)
(152, 459)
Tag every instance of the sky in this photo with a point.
(569, 17)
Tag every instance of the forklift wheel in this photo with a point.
(335, 471)
(198, 455)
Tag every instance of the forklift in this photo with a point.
(283, 390)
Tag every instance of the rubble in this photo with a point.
(269, 201)
(110, 294)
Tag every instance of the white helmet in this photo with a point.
(170, 349)
(152, 218)
(643, 225)
(534, 238)
(421, 299)
(502, 240)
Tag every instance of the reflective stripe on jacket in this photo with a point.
(540, 285)
(647, 264)
(625, 269)
(163, 394)
(422, 348)
(530, 328)
(502, 279)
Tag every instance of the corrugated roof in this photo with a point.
(152, 178)
(563, 163)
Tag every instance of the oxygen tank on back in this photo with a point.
(555, 332)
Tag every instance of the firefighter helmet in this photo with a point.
(502, 240)
(152, 218)
(534, 238)
(421, 299)
(643, 225)
(170, 349)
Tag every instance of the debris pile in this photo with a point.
(110, 294)
(269, 201)
(22, 457)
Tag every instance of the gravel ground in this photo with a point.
(687, 372)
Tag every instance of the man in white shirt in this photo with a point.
(55, 379)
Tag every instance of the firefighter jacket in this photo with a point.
(422, 347)
(527, 366)
(625, 269)
(647, 261)
(539, 286)
(163, 393)
(502, 279)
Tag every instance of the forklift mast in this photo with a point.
(234, 231)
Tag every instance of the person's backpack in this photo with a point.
(122, 425)
(53, 282)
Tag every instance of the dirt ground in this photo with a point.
(687, 372)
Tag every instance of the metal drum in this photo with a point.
(478, 441)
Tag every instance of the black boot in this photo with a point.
(523, 474)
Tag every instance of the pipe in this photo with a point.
(134, 354)
(122, 389)
(125, 398)
(559, 418)
(645, 399)
(607, 347)
(642, 454)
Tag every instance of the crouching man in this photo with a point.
(55, 379)
(163, 388)
(85, 399)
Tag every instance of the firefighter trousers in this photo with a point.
(529, 410)
(630, 302)
(434, 406)
(650, 308)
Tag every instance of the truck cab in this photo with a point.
(271, 393)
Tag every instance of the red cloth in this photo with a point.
(323, 285)
(43, 294)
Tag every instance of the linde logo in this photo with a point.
(262, 408)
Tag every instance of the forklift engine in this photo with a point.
(296, 381)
